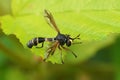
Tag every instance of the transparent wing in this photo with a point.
(50, 20)
(51, 49)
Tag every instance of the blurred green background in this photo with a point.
(97, 22)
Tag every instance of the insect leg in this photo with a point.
(48, 54)
(53, 47)
(61, 54)
(51, 50)
(70, 51)
(77, 37)
(77, 43)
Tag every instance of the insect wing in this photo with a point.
(51, 49)
(50, 20)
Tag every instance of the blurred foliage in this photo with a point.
(5, 7)
(98, 22)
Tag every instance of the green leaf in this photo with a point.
(94, 20)
(5, 7)
(36, 6)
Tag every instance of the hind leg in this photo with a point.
(61, 54)
(69, 50)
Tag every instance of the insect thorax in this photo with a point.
(61, 38)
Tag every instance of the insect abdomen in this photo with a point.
(35, 41)
(50, 39)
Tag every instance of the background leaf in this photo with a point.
(94, 20)
(5, 7)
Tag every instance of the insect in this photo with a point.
(57, 42)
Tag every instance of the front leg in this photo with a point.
(77, 43)
(77, 37)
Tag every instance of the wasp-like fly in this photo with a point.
(57, 42)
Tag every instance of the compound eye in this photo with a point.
(68, 43)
